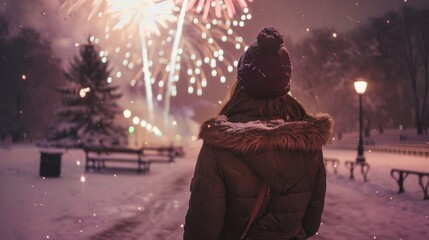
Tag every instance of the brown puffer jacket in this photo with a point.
(236, 157)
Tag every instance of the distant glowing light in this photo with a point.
(190, 89)
(83, 179)
(136, 120)
(84, 91)
(23, 77)
(131, 130)
(143, 123)
(127, 113)
(178, 137)
(334, 35)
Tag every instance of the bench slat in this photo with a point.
(96, 157)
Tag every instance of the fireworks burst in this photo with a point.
(147, 16)
(193, 50)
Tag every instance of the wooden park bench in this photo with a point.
(403, 174)
(98, 157)
(334, 162)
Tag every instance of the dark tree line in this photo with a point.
(389, 52)
(39, 100)
(29, 74)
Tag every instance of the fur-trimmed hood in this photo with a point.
(309, 134)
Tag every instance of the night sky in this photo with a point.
(294, 18)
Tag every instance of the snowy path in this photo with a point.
(161, 219)
(152, 206)
(352, 212)
(374, 210)
(121, 205)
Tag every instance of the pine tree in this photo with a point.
(89, 104)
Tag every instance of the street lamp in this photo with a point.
(360, 87)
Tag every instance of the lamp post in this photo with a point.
(360, 87)
(136, 121)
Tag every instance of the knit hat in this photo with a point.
(264, 70)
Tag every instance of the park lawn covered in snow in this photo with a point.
(126, 205)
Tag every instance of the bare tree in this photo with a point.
(414, 50)
(423, 45)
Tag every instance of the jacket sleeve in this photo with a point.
(313, 214)
(207, 204)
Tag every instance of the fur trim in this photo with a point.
(257, 136)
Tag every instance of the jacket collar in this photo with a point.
(309, 134)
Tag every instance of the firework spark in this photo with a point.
(218, 6)
(71, 6)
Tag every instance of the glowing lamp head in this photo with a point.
(360, 86)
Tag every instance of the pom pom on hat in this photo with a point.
(269, 40)
(264, 70)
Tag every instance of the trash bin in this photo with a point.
(50, 164)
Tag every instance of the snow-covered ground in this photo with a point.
(125, 205)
